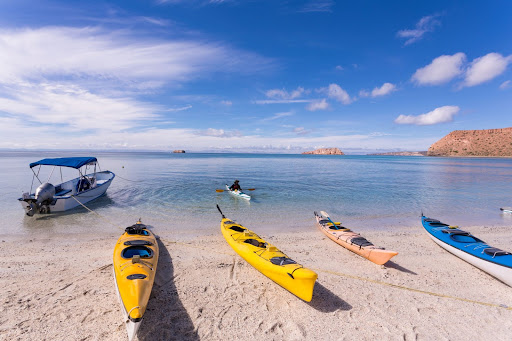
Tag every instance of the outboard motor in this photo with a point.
(43, 197)
(44, 192)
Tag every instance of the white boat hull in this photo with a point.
(131, 327)
(73, 199)
(238, 194)
(500, 272)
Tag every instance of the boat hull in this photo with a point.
(291, 276)
(238, 194)
(344, 237)
(72, 199)
(134, 276)
(499, 267)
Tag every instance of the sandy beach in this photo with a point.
(60, 287)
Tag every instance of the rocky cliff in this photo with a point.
(489, 142)
(326, 151)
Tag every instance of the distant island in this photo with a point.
(179, 151)
(422, 153)
(325, 151)
(488, 142)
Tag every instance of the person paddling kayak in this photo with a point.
(235, 186)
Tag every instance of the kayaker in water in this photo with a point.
(235, 186)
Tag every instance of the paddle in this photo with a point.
(328, 218)
(222, 214)
(224, 190)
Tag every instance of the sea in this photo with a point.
(176, 193)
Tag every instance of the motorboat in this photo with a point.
(90, 184)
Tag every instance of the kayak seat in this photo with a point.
(430, 220)
(494, 251)
(237, 228)
(256, 243)
(360, 241)
(137, 250)
(136, 276)
(456, 232)
(438, 225)
(138, 242)
(282, 261)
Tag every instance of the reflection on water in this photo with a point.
(176, 192)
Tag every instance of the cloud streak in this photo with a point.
(425, 25)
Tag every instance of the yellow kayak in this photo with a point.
(135, 261)
(269, 260)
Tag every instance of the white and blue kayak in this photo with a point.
(238, 193)
(496, 262)
(506, 209)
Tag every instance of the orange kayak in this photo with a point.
(353, 241)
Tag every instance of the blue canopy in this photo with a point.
(73, 162)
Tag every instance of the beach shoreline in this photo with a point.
(61, 287)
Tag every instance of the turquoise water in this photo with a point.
(176, 192)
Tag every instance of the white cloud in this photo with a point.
(110, 56)
(226, 103)
(281, 101)
(278, 115)
(279, 94)
(339, 68)
(318, 6)
(219, 133)
(426, 24)
(74, 107)
(87, 78)
(336, 92)
(179, 109)
(318, 105)
(364, 93)
(385, 89)
(505, 85)
(301, 131)
(485, 68)
(438, 115)
(441, 70)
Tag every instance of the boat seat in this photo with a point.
(494, 251)
(137, 250)
(136, 276)
(430, 220)
(360, 241)
(456, 232)
(282, 261)
(256, 243)
(62, 192)
(237, 228)
(138, 242)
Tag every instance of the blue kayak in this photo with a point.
(473, 250)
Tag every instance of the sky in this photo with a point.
(271, 76)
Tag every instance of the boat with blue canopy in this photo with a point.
(473, 250)
(90, 184)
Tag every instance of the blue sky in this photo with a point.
(251, 76)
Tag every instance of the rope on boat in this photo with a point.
(119, 176)
(503, 306)
(99, 215)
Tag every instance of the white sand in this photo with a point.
(62, 288)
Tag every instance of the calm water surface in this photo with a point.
(176, 192)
